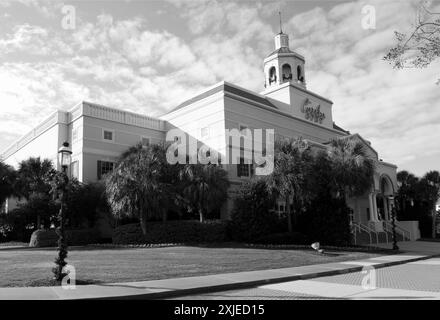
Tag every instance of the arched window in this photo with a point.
(299, 73)
(287, 72)
(272, 75)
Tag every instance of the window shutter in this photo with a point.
(99, 169)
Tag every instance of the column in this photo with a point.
(376, 217)
(370, 202)
(386, 208)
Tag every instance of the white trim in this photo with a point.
(100, 152)
(290, 128)
(195, 105)
(296, 86)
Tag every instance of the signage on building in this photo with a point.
(312, 112)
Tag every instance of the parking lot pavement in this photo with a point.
(415, 280)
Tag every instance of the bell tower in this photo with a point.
(283, 65)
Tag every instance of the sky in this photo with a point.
(147, 56)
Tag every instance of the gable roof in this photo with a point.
(336, 127)
(359, 137)
(227, 88)
(365, 142)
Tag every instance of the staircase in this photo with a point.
(365, 235)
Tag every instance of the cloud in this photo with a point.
(129, 60)
(345, 63)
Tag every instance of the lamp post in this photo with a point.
(65, 158)
(393, 222)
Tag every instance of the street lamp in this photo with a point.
(393, 222)
(65, 158)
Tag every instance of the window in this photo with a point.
(104, 167)
(299, 73)
(75, 134)
(272, 75)
(287, 72)
(204, 132)
(243, 169)
(108, 135)
(145, 141)
(74, 169)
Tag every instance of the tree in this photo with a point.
(407, 195)
(84, 202)
(205, 187)
(33, 182)
(289, 178)
(421, 46)
(252, 216)
(352, 167)
(417, 198)
(7, 178)
(432, 182)
(138, 186)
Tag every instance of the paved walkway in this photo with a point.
(414, 280)
(422, 247)
(168, 288)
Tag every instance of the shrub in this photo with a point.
(326, 220)
(172, 232)
(82, 237)
(49, 238)
(251, 216)
(43, 238)
(84, 202)
(15, 226)
(283, 238)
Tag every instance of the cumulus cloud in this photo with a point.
(132, 62)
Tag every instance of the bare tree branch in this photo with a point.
(419, 48)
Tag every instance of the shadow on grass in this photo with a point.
(55, 283)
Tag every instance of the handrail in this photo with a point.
(368, 230)
(373, 231)
(389, 228)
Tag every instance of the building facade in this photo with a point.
(99, 134)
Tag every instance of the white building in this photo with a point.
(99, 134)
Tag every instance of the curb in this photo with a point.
(249, 284)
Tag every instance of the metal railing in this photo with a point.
(361, 227)
(403, 232)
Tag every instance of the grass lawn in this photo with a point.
(27, 267)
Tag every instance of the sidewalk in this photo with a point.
(160, 289)
(421, 247)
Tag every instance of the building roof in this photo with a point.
(335, 126)
(281, 50)
(229, 89)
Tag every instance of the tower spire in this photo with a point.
(281, 23)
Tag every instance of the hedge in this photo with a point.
(283, 239)
(172, 232)
(49, 238)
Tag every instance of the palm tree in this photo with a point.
(288, 180)
(205, 187)
(33, 181)
(7, 178)
(407, 183)
(432, 180)
(138, 186)
(352, 167)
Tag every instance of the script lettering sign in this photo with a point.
(312, 112)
